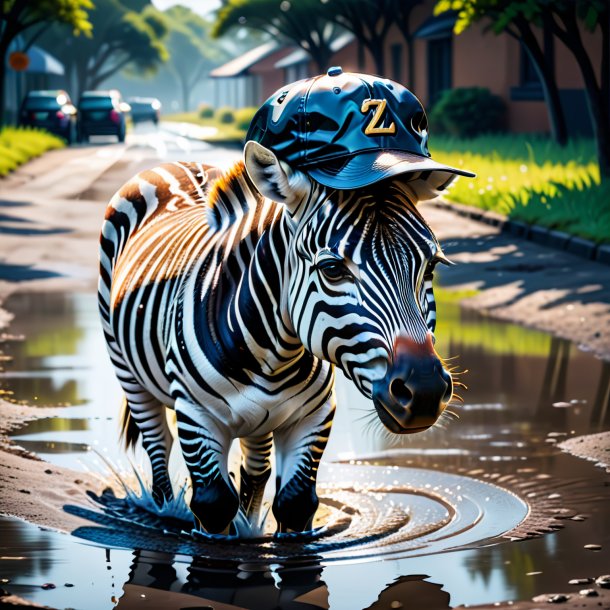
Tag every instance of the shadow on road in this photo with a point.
(23, 273)
(499, 260)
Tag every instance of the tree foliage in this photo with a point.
(121, 37)
(21, 17)
(300, 22)
(192, 53)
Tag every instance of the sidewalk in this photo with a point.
(524, 282)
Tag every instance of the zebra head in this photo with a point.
(358, 287)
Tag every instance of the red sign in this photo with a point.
(18, 61)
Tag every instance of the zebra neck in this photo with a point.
(247, 317)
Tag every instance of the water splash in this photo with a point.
(366, 513)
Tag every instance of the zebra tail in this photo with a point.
(129, 429)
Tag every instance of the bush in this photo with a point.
(205, 111)
(225, 115)
(20, 144)
(467, 112)
(243, 117)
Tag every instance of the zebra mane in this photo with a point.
(231, 196)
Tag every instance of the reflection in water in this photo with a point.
(85, 576)
(600, 414)
(202, 584)
(508, 426)
(219, 585)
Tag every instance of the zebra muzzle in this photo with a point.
(415, 389)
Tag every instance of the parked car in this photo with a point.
(50, 110)
(101, 113)
(144, 109)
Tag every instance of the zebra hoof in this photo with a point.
(215, 506)
(294, 508)
(229, 534)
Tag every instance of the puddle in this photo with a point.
(419, 503)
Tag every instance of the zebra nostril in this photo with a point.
(400, 391)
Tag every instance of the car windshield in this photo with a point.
(96, 103)
(41, 103)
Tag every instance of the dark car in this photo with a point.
(101, 113)
(50, 110)
(144, 109)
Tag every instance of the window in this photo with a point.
(440, 74)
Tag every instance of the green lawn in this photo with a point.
(532, 180)
(20, 144)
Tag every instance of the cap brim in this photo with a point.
(369, 167)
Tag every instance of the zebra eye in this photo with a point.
(333, 270)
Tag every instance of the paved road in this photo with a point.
(52, 208)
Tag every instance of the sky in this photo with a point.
(203, 7)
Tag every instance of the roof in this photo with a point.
(437, 26)
(300, 55)
(240, 65)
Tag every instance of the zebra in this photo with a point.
(230, 298)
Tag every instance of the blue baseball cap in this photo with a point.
(349, 130)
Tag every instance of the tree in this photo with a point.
(191, 52)
(515, 18)
(121, 37)
(18, 17)
(402, 18)
(368, 20)
(562, 18)
(300, 22)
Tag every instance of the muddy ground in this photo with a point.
(50, 214)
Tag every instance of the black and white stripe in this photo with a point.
(214, 302)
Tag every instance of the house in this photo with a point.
(441, 60)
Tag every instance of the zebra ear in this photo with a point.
(273, 178)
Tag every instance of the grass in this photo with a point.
(226, 132)
(531, 179)
(20, 144)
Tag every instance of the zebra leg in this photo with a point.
(254, 473)
(298, 449)
(148, 413)
(205, 446)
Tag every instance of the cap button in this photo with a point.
(335, 71)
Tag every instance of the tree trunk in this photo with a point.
(186, 94)
(599, 113)
(550, 90)
(2, 91)
(361, 60)
(3, 51)
(376, 49)
(410, 61)
(557, 120)
(596, 93)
